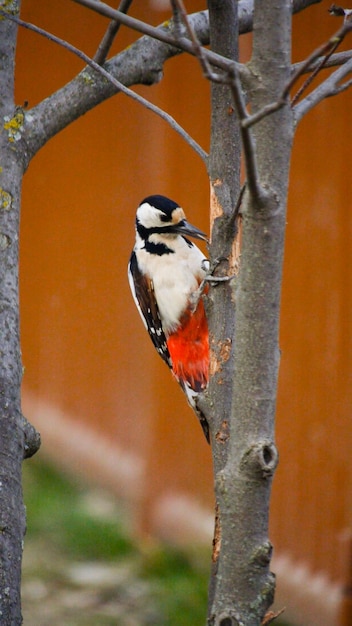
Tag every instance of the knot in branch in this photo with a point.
(31, 439)
(227, 618)
(262, 554)
(261, 459)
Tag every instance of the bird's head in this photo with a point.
(159, 215)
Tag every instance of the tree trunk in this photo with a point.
(244, 586)
(224, 175)
(17, 438)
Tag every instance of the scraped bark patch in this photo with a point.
(223, 434)
(219, 356)
(217, 536)
(216, 209)
(270, 617)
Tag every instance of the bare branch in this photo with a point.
(245, 11)
(333, 61)
(325, 50)
(177, 19)
(330, 87)
(230, 78)
(199, 52)
(85, 92)
(197, 48)
(253, 184)
(340, 88)
(111, 32)
(117, 84)
(250, 120)
(161, 34)
(316, 61)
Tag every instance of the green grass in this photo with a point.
(63, 530)
(180, 587)
(56, 510)
(68, 528)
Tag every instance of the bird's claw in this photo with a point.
(210, 278)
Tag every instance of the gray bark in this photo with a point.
(224, 175)
(243, 589)
(141, 63)
(17, 438)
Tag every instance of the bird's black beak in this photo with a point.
(184, 228)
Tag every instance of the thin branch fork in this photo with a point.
(332, 86)
(232, 79)
(110, 34)
(325, 51)
(335, 60)
(253, 184)
(316, 61)
(117, 84)
(161, 34)
(198, 50)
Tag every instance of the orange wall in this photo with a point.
(84, 347)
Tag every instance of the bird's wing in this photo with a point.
(143, 292)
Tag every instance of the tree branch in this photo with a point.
(162, 34)
(253, 184)
(325, 51)
(314, 63)
(333, 61)
(111, 32)
(116, 84)
(87, 90)
(330, 87)
(230, 78)
(245, 16)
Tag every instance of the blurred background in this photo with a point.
(111, 417)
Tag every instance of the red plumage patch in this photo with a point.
(189, 349)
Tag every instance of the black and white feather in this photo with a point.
(143, 293)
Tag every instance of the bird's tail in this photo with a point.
(192, 395)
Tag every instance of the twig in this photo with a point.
(319, 57)
(333, 61)
(237, 211)
(327, 50)
(330, 87)
(253, 184)
(198, 50)
(250, 120)
(314, 73)
(340, 88)
(119, 86)
(110, 34)
(230, 78)
(182, 43)
(178, 27)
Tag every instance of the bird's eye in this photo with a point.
(164, 218)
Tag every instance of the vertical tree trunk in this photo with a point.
(16, 436)
(243, 589)
(224, 175)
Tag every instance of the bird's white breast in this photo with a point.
(175, 276)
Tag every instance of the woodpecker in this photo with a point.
(166, 273)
